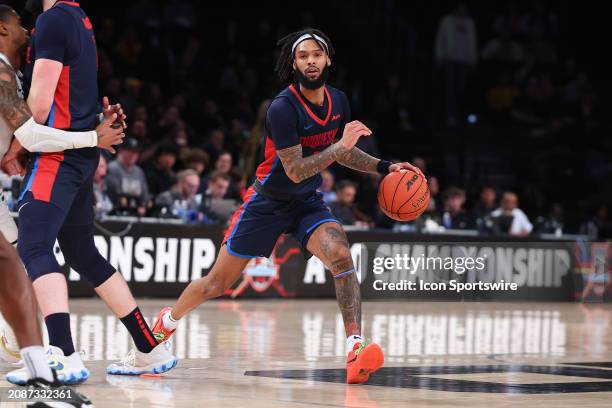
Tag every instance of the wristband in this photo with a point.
(383, 167)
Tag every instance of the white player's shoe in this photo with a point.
(9, 349)
(158, 361)
(70, 370)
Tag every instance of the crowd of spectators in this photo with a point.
(196, 87)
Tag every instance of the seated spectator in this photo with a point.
(434, 192)
(453, 213)
(103, 204)
(182, 200)
(127, 183)
(239, 182)
(214, 145)
(217, 207)
(195, 159)
(224, 165)
(160, 176)
(509, 213)
(327, 187)
(344, 208)
(487, 203)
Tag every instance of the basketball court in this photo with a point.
(289, 353)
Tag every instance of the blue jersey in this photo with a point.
(293, 120)
(64, 34)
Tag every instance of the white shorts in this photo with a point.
(8, 228)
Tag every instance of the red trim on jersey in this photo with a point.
(236, 216)
(70, 3)
(61, 99)
(265, 166)
(87, 23)
(48, 165)
(310, 113)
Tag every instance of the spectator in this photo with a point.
(453, 213)
(327, 187)
(195, 159)
(160, 173)
(456, 51)
(127, 183)
(487, 203)
(217, 207)
(183, 200)
(519, 225)
(252, 147)
(103, 204)
(344, 208)
(214, 145)
(434, 191)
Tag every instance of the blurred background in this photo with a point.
(502, 104)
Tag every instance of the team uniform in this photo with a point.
(57, 199)
(274, 204)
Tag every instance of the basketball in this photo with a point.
(403, 195)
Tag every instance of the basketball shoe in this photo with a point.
(363, 360)
(159, 331)
(158, 361)
(66, 396)
(70, 370)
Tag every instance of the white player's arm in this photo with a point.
(32, 136)
(45, 76)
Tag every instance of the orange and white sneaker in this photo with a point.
(159, 331)
(363, 360)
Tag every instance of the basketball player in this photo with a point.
(57, 200)
(301, 126)
(35, 137)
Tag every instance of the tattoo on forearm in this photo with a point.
(13, 109)
(357, 159)
(300, 168)
(349, 301)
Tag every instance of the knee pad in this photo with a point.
(80, 252)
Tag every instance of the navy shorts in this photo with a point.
(257, 224)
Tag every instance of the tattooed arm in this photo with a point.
(357, 159)
(300, 168)
(13, 109)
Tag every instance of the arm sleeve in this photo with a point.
(39, 138)
(54, 37)
(282, 124)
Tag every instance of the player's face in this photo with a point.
(19, 35)
(310, 64)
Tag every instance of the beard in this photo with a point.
(311, 83)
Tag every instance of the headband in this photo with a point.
(307, 37)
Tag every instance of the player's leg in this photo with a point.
(253, 231)
(9, 347)
(328, 242)
(76, 240)
(39, 224)
(19, 308)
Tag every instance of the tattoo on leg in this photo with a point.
(349, 300)
(332, 236)
(341, 265)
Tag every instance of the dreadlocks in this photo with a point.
(284, 64)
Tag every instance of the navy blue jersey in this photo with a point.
(291, 120)
(64, 34)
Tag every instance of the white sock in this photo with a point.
(168, 322)
(352, 340)
(35, 360)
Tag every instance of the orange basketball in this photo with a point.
(403, 195)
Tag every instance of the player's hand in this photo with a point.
(13, 163)
(108, 110)
(352, 132)
(109, 135)
(405, 166)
